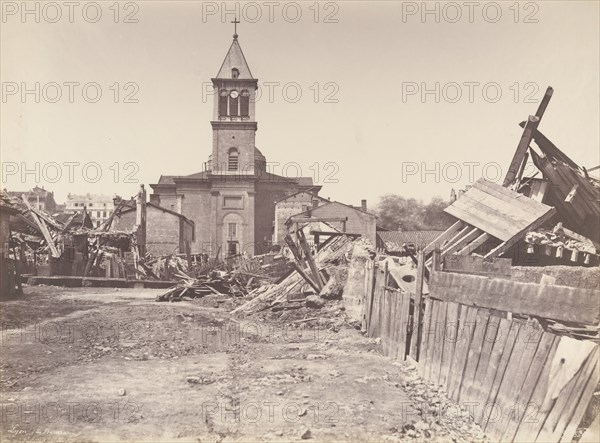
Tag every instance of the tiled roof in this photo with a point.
(395, 239)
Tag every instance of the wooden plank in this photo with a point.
(499, 374)
(444, 237)
(471, 247)
(549, 149)
(521, 402)
(469, 237)
(397, 336)
(438, 345)
(476, 265)
(516, 200)
(404, 318)
(473, 353)
(538, 190)
(514, 376)
(305, 276)
(482, 217)
(501, 213)
(567, 401)
(374, 313)
(387, 321)
(534, 415)
(459, 359)
(515, 207)
(553, 302)
(299, 219)
(416, 339)
(43, 229)
(526, 138)
(477, 392)
(309, 258)
(431, 338)
(425, 336)
(450, 336)
(581, 409)
(569, 198)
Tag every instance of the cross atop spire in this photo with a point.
(235, 23)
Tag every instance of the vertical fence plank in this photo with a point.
(404, 344)
(449, 337)
(432, 337)
(578, 413)
(426, 331)
(513, 334)
(536, 413)
(474, 352)
(416, 338)
(567, 401)
(514, 376)
(459, 360)
(439, 343)
(542, 352)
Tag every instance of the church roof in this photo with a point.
(235, 59)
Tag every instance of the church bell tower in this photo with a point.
(234, 122)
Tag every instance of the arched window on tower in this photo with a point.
(233, 160)
(223, 103)
(233, 103)
(235, 73)
(245, 103)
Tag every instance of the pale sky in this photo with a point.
(364, 57)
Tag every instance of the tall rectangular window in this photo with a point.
(245, 103)
(233, 106)
(223, 104)
(232, 230)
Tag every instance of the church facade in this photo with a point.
(232, 200)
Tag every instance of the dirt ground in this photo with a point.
(99, 364)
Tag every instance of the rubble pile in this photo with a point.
(560, 239)
(237, 276)
(433, 415)
(296, 298)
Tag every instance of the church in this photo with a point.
(232, 199)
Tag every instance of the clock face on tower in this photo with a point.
(233, 94)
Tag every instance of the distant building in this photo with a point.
(99, 207)
(296, 203)
(39, 198)
(351, 219)
(167, 232)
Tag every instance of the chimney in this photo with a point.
(363, 205)
(315, 203)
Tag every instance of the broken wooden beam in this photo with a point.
(528, 131)
(43, 228)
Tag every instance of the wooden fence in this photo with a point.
(480, 338)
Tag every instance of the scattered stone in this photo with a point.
(279, 393)
(421, 426)
(305, 434)
(193, 380)
(302, 412)
(122, 392)
(315, 302)
(279, 434)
